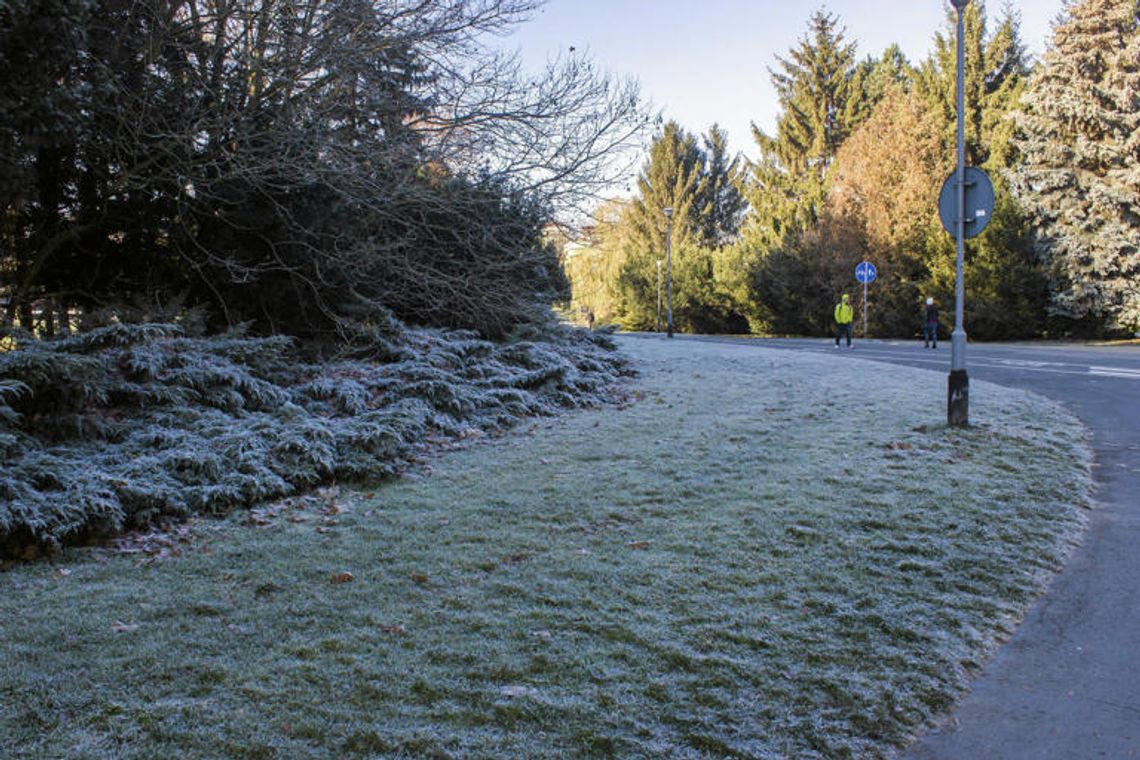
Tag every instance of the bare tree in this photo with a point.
(299, 162)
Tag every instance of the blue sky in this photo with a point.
(705, 61)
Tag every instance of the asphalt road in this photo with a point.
(1067, 684)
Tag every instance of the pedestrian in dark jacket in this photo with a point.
(930, 325)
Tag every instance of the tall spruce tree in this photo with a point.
(995, 73)
(723, 201)
(818, 90)
(1080, 175)
(1005, 286)
(672, 177)
(821, 92)
(679, 175)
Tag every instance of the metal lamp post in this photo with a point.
(658, 295)
(958, 390)
(669, 271)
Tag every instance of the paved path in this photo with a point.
(1067, 685)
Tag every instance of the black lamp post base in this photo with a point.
(958, 399)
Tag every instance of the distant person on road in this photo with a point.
(930, 325)
(844, 315)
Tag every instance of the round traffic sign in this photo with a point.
(979, 202)
(865, 272)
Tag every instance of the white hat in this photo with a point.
(929, 301)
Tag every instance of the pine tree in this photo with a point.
(724, 203)
(995, 73)
(892, 69)
(672, 177)
(1005, 293)
(1080, 177)
(821, 91)
(818, 92)
(819, 88)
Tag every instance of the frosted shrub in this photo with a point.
(130, 423)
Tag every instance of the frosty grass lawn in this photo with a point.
(767, 555)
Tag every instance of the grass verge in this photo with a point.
(768, 555)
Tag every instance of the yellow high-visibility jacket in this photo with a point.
(844, 313)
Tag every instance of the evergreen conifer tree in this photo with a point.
(1080, 175)
(818, 91)
(1005, 287)
(821, 91)
(672, 177)
(724, 203)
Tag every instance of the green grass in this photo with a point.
(767, 555)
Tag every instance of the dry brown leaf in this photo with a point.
(121, 627)
(419, 577)
(343, 577)
(639, 544)
(395, 630)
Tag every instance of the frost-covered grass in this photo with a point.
(127, 424)
(768, 555)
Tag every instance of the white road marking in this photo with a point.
(1056, 368)
(1131, 374)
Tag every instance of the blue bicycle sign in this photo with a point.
(865, 272)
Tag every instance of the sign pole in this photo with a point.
(864, 310)
(669, 272)
(958, 386)
(865, 273)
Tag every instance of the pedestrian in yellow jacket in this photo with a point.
(844, 315)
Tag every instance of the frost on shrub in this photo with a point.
(125, 424)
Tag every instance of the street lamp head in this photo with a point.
(668, 212)
(960, 4)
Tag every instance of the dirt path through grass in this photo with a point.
(767, 555)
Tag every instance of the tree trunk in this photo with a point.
(64, 317)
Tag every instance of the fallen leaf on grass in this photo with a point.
(419, 577)
(395, 630)
(120, 627)
(517, 691)
(639, 544)
(343, 577)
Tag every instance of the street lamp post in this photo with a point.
(658, 295)
(958, 388)
(669, 271)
